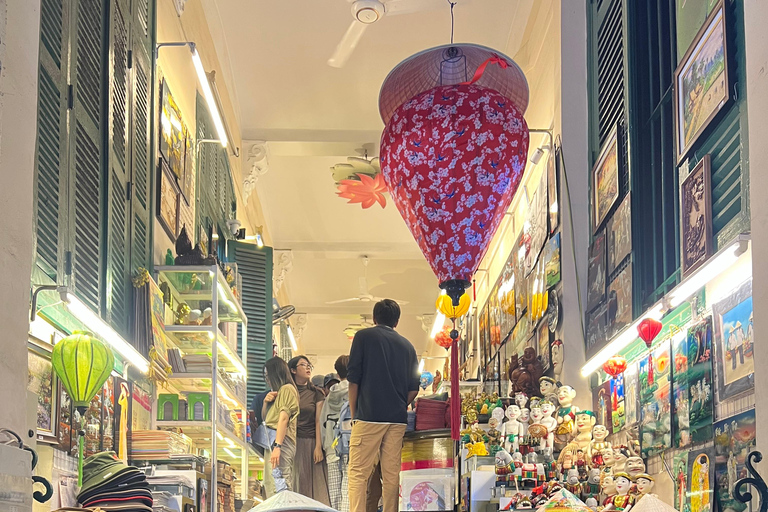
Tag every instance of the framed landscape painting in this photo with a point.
(42, 381)
(619, 235)
(605, 180)
(702, 87)
(734, 342)
(596, 273)
(696, 217)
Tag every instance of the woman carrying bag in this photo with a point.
(280, 412)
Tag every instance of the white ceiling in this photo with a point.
(314, 116)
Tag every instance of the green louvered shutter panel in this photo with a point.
(118, 288)
(223, 178)
(86, 150)
(142, 163)
(51, 154)
(255, 267)
(206, 166)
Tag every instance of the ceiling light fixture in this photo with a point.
(438, 325)
(421, 365)
(101, 329)
(205, 84)
(292, 339)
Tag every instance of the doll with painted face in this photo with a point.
(635, 466)
(548, 409)
(622, 499)
(572, 481)
(521, 399)
(494, 436)
(512, 430)
(557, 359)
(644, 484)
(621, 454)
(548, 389)
(598, 445)
(566, 415)
(592, 486)
(585, 420)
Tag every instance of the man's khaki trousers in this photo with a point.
(368, 442)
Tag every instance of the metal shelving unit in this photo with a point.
(199, 286)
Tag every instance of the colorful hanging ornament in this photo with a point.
(443, 338)
(648, 329)
(425, 380)
(445, 306)
(453, 153)
(365, 191)
(82, 364)
(615, 365)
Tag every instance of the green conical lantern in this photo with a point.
(83, 364)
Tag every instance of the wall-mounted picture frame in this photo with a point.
(696, 217)
(552, 193)
(172, 132)
(543, 341)
(551, 256)
(702, 85)
(167, 201)
(42, 381)
(596, 271)
(620, 301)
(597, 329)
(734, 342)
(620, 234)
(605, 180)
(537, 224)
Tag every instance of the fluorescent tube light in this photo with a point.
(421, 365)
(229, 452)
(292, 338)
(438, 325)
(716, 265)
(208, 93)
(620, 342)
(101, 329)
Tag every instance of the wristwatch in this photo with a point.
(276, 445)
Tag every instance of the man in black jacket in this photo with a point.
(383, 380)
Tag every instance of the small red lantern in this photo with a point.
(615, 366)
(443, 338)
(648, 329)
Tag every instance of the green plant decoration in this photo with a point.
(83, 364)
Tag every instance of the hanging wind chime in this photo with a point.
(453, 152)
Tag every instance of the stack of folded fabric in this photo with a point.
(430, 414)
(112, 486)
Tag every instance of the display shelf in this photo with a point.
(201, 431)
(191, 283)
(198, 339)
(202, 382)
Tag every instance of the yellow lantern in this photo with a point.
(445, 306)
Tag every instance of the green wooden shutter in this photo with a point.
(86, 150)
(118, 288)
(255, 267)
(142, 163)
(51, 154)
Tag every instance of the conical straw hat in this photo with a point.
(288, 501)
(652, 503)
(564, 500)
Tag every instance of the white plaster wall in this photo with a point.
(19, 29)
(755, 17)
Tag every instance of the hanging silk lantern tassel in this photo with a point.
(455, 392)
(650, 369)
(123, 443)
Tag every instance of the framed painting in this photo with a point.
(42, 381)
(552, 193)
(618, 409)
(494, 318)
(702, 86)
(506, 296)
(172, 133)
(482, 335)
(701, 397)
(701, 480)
(596, 271)
(734, 439)
(620, 301)
(187, 181)
(167, 201)
(521, 281)
(520, 335)
(537, 225)
(631, 394)
(680, 474)
(696, 217)
(601, 404)
(596, 330)
(542, 338)
(734, 342)
(619, 235)
(552, 261)
(681, 419)
(605, 180)
(655, 399)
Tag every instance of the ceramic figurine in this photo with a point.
(591, 503)
(566, 460)
(498, 413)
(622, 499)
(537, 412)
(585, 420)
(524, 503)
(525, 372)
(607, 486)
(557, 359)
(494, 436)
(635, 466)
(478, 449)
(591, 487)
(504, 465)
(548, 389)
(572, 481)
(621, 454)
(521, 399)
(207, 316)
(566, 415)
(598, 445)
(644, 483)
(548, 409)
(194, 317)
(581, 464)
(512, 430)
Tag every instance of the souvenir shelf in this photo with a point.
(222, 433)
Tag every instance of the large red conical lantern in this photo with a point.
(453, 153)
(648, 329)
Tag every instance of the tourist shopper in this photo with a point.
(312, 480)
(337, 466)
(383, 380)
(280, 412)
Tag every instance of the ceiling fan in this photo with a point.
(282, 313)
(352, 329)
(365, 295)
(356, 165)
(367, 12)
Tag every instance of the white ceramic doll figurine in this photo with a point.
(548, 389)
(622, 499)
(591, 503)
(557, 359)
(566, 414)
(621, 454)
(498, 413)
(585, 420)
(521, 399)
(512, 429)
(645, 484)
(548, 409)
(598, 445)
(635, 466)
(537, 413)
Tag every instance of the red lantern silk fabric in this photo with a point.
(648, 329)
(615, 365)
(453, 157)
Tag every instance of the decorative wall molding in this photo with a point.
(427, 321)
(298, 324)
(282, 264)
(257, 159)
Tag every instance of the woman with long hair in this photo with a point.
(312, 479)
(280, 412)
(329, 418)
